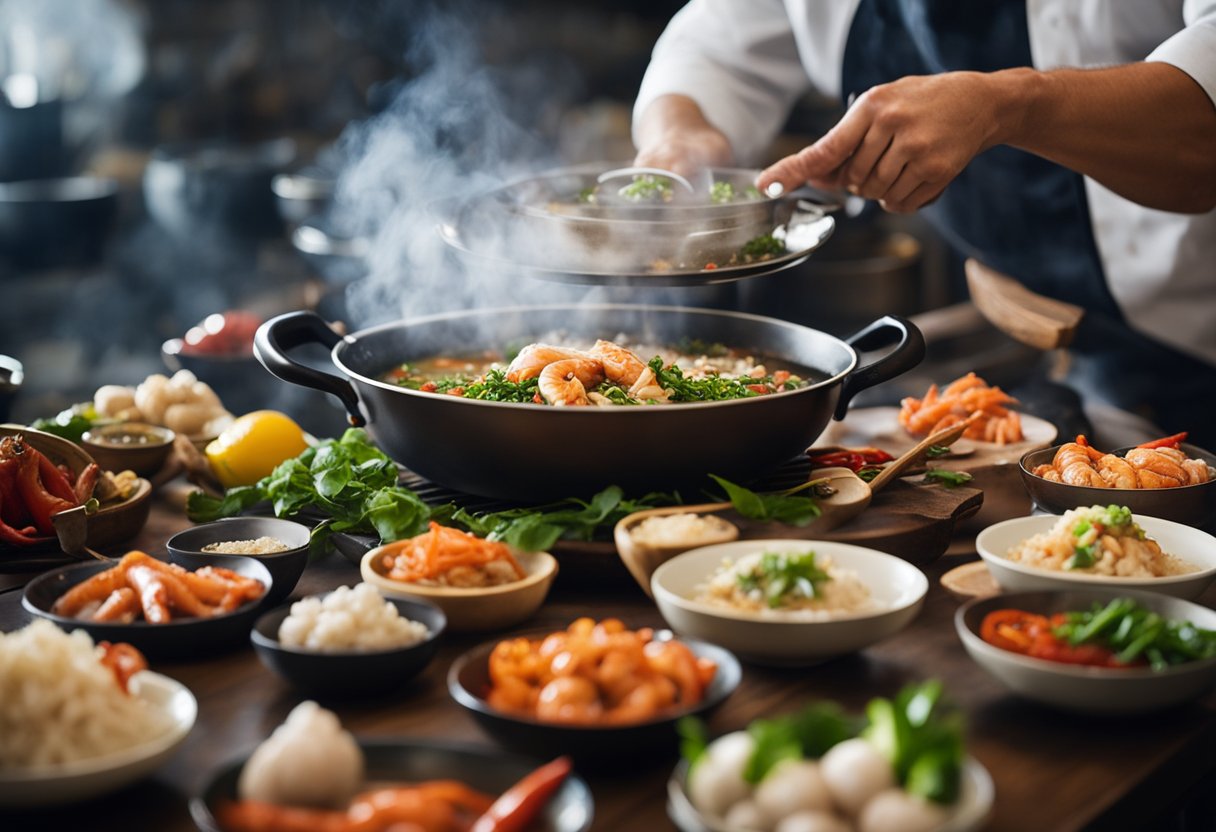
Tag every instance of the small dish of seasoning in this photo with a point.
(129, 446)
(279, 544)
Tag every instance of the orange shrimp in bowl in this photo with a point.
(621, 365)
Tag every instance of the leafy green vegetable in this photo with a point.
(694, 739)
(1133, 633)
(950, 479)
(1082, 558)
(868, 473)
(71, 424)
(806, 733)
(696, 346)
(587, 195)
(923, 739)
(935, 451)
(647, 186)
(762, 248)
(784, 576)
(783, 506)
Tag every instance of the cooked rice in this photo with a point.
(844, 594)
(59, 704)
(349, 619)
(679, 529)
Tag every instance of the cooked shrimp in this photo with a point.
(153, 596)
(1157, 470)
(674, 660)
(620, 364)
(536, 357)
(95, 589)
(1047, 472)
(569, 699)
(122, 606)
(1117, 472)
(565, 382)
(1197, 471)
(1076, 466)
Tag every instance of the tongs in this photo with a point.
(72, 529)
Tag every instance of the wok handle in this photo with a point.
(285, 332)
(908, 352)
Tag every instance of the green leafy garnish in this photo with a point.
(1082, 558)
(1135, 633)
(648, 187)
(696, 346)
(923, 739)
(694, 739)
(809, 733)
(782, 506)
(868, 473)
(720, 192)
(71, 424)
(762, 248)
(711, 388)
(936, 451)
(587, 195)
(784, 576)
(950, 479)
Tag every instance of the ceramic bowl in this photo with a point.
(182, 638)
(113, 522)
(590, 745)
(570, 809)
(474, 610)
(56, 785)
(1087, 690)
(783, 638)
(12, 376)
(971, 812)
(186, 548)
(1184, 542)
(1194, 505)
(349, 673)
(129, 446)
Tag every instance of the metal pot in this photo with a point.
(514, 451)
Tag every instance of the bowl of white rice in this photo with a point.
(788, 602)
(352, 642)
(68, 732)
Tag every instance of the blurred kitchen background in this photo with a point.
(162, 161)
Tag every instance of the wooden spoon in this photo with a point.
(849, 498)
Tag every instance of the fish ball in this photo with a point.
(309, 760)
(112, 399)
(793, 786)
(746, 815)
(896, 809)
(716, 781)
(855, 771)
(813, 822)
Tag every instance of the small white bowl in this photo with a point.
(475, 609)
(53, 785)
(970, 812)
(1183, 542)
(777, 638)
(1087, 690)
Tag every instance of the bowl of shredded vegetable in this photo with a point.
(479, 584)
(1093, 651)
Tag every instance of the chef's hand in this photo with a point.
(674, 135)
(900, 143)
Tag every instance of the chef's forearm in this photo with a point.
(1146, 131)
(673, 133)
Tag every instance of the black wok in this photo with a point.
(523, 452)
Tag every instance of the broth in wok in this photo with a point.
(606, 374)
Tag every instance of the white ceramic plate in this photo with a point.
(49, 785)
(1087, 690)
(971, 812)
(896, 586)
(1184, 542)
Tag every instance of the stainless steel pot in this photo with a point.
(525, 452)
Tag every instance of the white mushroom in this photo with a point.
(855, 771)
(896, 809)
(113, 399)
(793, 786)
(716, 782)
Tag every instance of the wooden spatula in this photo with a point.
(1025, 316)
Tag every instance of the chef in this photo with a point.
(1068, 143)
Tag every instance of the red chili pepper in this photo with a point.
(709, 266)
(518, 806)
(428, 387)
(1165, 441)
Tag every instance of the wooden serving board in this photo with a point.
(913, 521)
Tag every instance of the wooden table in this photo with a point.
(1053, 771)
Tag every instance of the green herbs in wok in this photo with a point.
(605, 375)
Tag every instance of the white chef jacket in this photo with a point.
(745, 62)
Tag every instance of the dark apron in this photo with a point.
(1024, 215)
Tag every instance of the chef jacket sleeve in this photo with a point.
(738, 61)
(1193, 50)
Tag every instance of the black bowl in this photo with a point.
(303, 194)
(592, 746)
(12, 375)
(184, 638)
(1192, 505)
(56, 222)
(349, 673)
(186, 548)
(388, 761)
